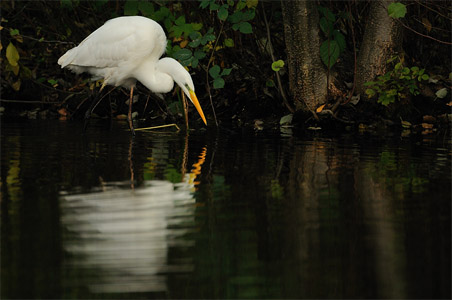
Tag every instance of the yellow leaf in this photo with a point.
(183, 43)
(12, 55)
(15, 69)
(1, 27)
(251, 3)
(320, 108)
(16, 85)
(1, 46)
(427, 24)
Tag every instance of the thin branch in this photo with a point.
(207, 74)
(27, 101)
(424, 35)
(278, 78)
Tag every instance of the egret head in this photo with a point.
(181, 76)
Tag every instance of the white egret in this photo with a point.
(127, 49)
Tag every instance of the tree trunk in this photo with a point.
(307, 75)
(382, 39)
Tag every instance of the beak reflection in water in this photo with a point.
(118, 240)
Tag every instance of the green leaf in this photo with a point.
(14, 32)
(245, 28)
(214, 6)
(328, 14)
(183, 54)
(248, 15)
(229, 42)
(326, 26)
(52, 81)
(196, 26)
(218, 83)
(370, 93)
(131, 8)
(207, 38)
(215, 71)
(240, 5)
(329, 52)
(223, 13)
(146, 8)
(180, 21)
(199, 54)
(194, 62)
(236, 17)
(425, 77)
(204, 3)
(340, 39)
(161, 14)
(277, 65)
(369, 83)
(270, 83)
(226, 72)
(396, 10)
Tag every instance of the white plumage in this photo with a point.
(127, 49)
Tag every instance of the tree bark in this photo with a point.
(307, 75)
(382, 39)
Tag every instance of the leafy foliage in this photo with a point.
(331, 49)
(396, 83)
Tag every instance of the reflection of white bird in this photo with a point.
(127, 49)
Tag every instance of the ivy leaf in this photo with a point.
(396, 10)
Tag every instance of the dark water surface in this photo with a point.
(221, 215)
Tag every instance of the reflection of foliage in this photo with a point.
(276, 189)
(403, 177)
(172, 174)
(221, 190)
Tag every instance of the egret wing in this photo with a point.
(123, 41)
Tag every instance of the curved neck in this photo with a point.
(154, 76)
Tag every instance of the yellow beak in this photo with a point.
(195, 101)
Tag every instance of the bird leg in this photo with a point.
(97, 99)
(90, 110)
(129, 115)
